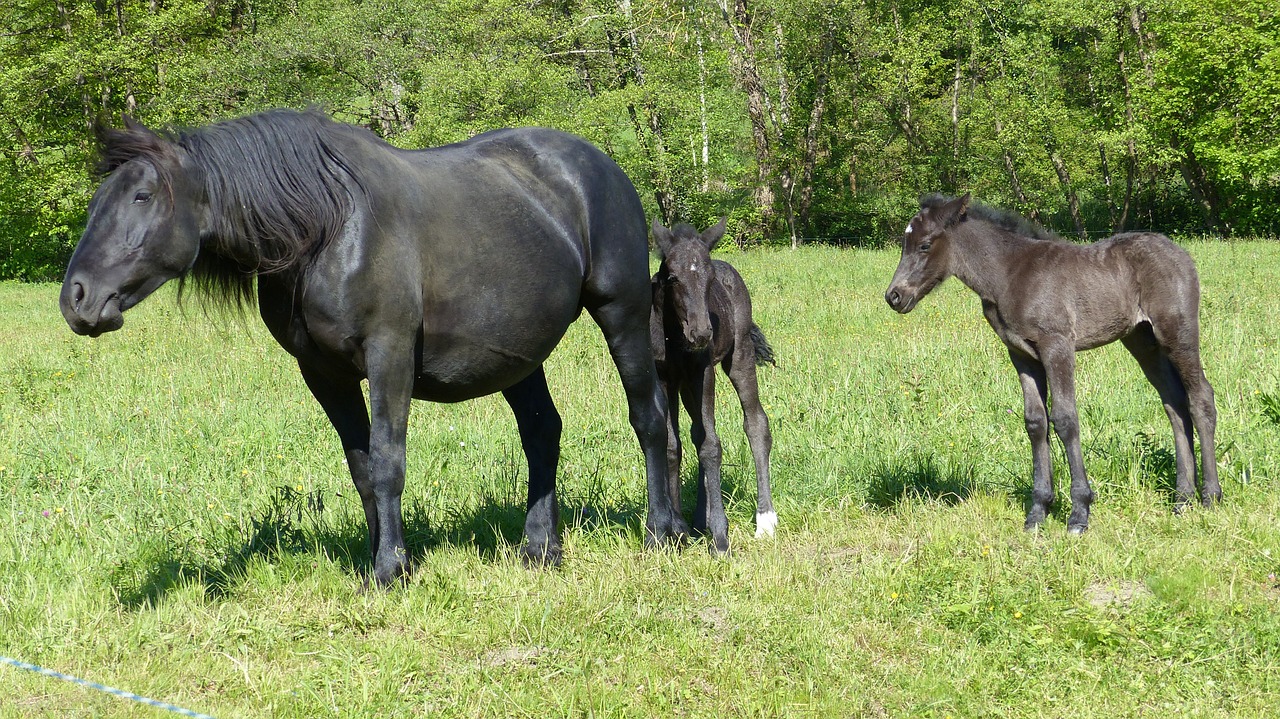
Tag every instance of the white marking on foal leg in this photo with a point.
(766, 523)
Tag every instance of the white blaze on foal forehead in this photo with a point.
(908, 230)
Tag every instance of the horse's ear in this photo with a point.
(964, 207)
(712, 235)
(661, 237)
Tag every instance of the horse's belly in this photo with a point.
(453, 368)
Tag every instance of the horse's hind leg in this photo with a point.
(699, 396)
(1035, 416)
(741, 369)
(626, 330)
(540, 428)
(1163, 375)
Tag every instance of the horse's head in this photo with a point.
(926, 253)
(686, 260)
(144, 229)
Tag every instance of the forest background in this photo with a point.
(803, 120)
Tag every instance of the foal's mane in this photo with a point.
(278, 190)
(1004, 219)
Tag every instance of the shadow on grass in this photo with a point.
(918, 477)
(297, 523)
(1157, 461)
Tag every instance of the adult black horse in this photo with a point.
(441, 274)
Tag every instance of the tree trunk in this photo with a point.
(809, 155)
(742, 57)
(649, 131)
(1014, 183)
(1064, 179)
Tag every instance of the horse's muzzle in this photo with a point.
(85, 314)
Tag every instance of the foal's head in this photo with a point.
(687, 270)
(926, 252)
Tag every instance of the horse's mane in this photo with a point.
(277, 187)
(1004, 219)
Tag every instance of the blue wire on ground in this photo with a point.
(103, 688)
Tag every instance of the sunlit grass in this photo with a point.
(178, 522)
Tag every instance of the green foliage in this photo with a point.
(1093, 117)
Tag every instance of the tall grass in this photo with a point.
(178, 522)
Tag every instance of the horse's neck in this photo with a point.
(983, 257)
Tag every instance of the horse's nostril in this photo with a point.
(893, 298)
(77, 294)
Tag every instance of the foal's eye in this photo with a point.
(924, 246)
(142, 197)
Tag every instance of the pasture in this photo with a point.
(177, 522)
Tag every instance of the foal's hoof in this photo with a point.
(544, 557)
(1076, 529)
(1211, 499)
(766, 524)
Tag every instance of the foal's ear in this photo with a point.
(956, 211)
(662, 238)
(712, 235)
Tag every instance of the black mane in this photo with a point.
(277, 187)
(1004, 219)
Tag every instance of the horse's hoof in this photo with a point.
(1076, 529)
(1212, 500)
(1033, 523)
(766, 524)
(544, 557)
(720, 550)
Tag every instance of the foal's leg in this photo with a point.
(626, 331)
(1036, 418)
(741, 369)
(1162, 375)
(699, 396)
(671, 387)
(1183, 352)
(1059, 361)
(540, 427)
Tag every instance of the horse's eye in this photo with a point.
(142, 197)
(924, 247)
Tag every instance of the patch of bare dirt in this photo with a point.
(1121, 593)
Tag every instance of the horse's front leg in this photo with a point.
(390, 369)
(343, 403)
(1035, 415)
(626, 331)
(699, 397)
(1060, 367)
(540, 428)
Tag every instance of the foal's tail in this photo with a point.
(764, 353)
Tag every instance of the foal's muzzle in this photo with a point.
(898, 301)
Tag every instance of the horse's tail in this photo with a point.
(764, 353)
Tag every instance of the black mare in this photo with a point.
(1047, 299)
(702, 318)
(440, 274)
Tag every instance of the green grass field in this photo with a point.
(177, 521)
